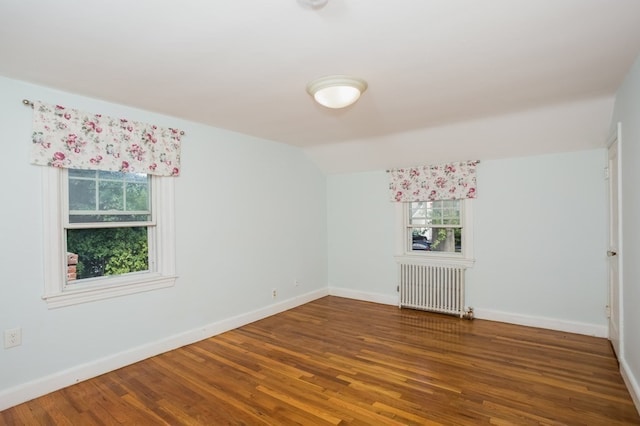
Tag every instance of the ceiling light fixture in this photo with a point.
(313, 4)
(336, 91)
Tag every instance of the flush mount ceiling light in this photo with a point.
(313, 4)
(336, 91)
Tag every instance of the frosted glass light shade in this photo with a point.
(336, 91)
(313, 4)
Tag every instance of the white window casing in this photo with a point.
(161, 274)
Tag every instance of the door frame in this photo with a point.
(616, 341)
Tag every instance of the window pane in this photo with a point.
(106, 175)
(137, 197)
(421, 239)
(74, 173)
(82, 194)
(102, 196)
(418, 209)
(109, 251)
(436, 215)
(136, 177)
(447, 240)
(111, 195)
(451, 217)
(446, 212)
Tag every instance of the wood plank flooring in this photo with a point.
(337, 361)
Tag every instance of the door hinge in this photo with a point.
(606, 173)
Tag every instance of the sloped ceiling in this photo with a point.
(244, 65)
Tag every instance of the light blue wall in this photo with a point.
(540, 239)
(627, 112)
(251, 216)
(361, 234)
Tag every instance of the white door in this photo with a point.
(612, 252)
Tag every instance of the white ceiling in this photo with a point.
(243, 65)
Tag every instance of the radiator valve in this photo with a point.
(468, 313)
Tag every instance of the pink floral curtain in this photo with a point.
(68, 138)
(452, 181)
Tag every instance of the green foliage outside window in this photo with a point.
(109, 251)
(442, 234)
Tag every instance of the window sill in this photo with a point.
(419, 259)
(121, 288)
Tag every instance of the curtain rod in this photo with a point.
(27, 102)
(390, 170)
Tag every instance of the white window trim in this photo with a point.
(55, 267)
(403, 255)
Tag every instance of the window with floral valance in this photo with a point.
(452, 181)
(69, 138)
(108, 197)
(434, 212)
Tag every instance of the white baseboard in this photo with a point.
(542, 322)
(364, 296)
(632, 383)
(28, 391)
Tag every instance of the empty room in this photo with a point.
(320, 212)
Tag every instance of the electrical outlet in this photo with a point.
(274, 293)
(296, 282)
(12, 338)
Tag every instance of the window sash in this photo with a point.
(433, 252)
(101, 225)
(66, 213)
(67, 225)
(97, 179)
(433, 225)
(106, 279)
(108, 213)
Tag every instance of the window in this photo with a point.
(435, 226)
(435, 231)
(109, 224)
(115, 229)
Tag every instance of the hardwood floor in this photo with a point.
(337, 361)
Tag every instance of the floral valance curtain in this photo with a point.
(68, 138)
(451, 181)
